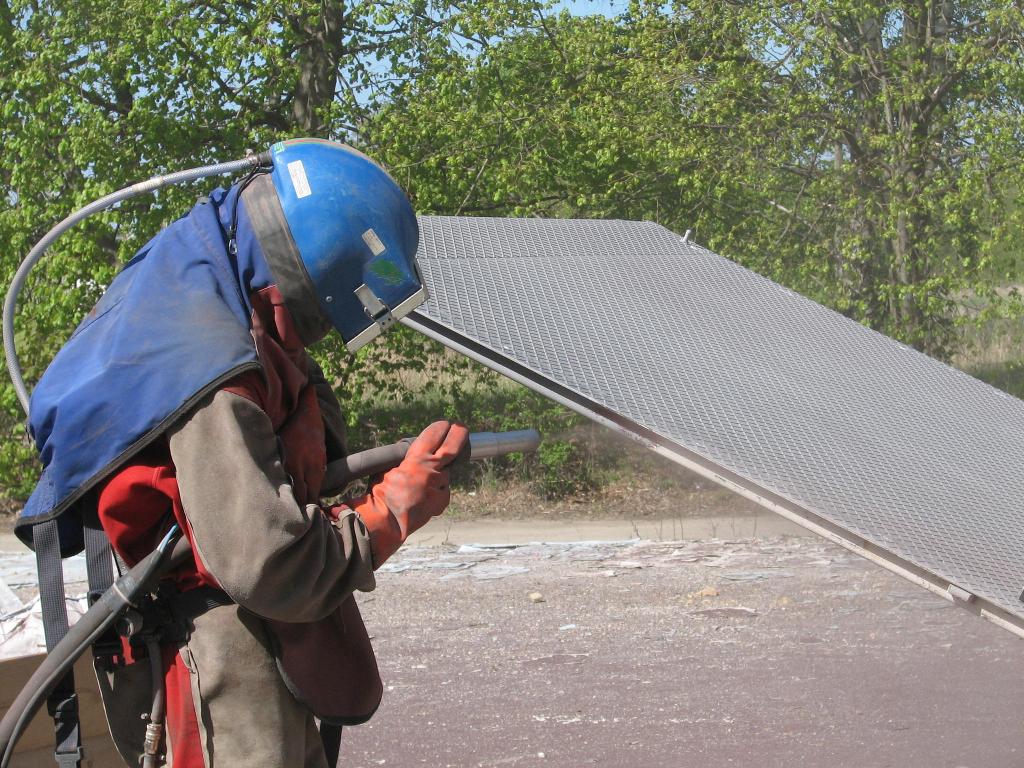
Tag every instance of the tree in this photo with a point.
(862, 153)
(908, 121)
(571, 116)
(866, 154)
(98, 95)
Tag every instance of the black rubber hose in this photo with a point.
(363, 464)
(482, 445)
(155, 726)
(89, 628)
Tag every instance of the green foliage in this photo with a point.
(570, 117)
(565, 470)
(865, 153)
(452, 387)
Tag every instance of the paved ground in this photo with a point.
(785, 652)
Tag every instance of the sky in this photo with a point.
(590, 7)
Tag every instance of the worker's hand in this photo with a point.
(407, 496)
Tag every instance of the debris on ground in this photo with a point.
(807, 656)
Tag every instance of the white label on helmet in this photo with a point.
(299, 180)
(371, 239)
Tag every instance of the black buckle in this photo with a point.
(108, 652)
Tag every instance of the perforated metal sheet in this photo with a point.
(862, 439)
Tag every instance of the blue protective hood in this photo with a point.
(172, 326)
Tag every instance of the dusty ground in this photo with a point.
(784, 652)
(711, 652)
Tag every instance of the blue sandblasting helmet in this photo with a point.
(337, 230)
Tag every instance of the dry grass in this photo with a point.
(994, 353)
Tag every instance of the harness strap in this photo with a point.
(99, 566)
(330, 735)
(62, 704)
(98, 561)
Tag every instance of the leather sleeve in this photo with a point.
(272, 556)
(330, 411)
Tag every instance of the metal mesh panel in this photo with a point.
(889, 445)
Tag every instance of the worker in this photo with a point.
(187, 396)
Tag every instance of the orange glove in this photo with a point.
(407, 496)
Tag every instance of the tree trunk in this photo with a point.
(319, 52)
